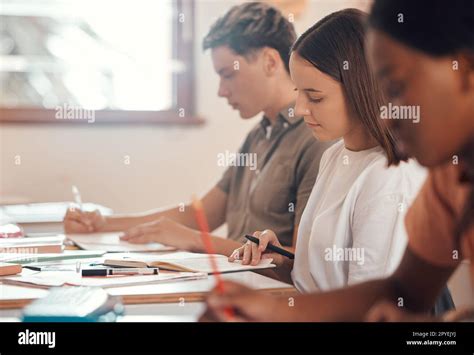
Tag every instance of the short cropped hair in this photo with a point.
(251, 26)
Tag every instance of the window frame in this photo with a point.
(183, 87)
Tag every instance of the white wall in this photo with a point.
(168, 164)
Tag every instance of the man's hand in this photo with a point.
(77, 221)
(164, 231)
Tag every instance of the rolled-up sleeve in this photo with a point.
(226, 179)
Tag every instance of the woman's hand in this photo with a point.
(247, 305)
(77, 221)
(165, 231)
(251, 253)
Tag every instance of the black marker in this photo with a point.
(271, 247)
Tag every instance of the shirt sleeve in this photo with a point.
(226, 179)
(431, 220)
(306, 174)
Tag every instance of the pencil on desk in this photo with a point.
(206, 239)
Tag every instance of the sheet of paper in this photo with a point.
(44, 279)
(48, 279)
(111, 242)
(117, 281)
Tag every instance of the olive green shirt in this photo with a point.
(272, 193)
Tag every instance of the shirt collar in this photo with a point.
(287, 115)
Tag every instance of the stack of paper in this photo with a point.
(36, 245)
(27, 258)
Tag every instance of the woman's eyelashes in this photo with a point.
(315, 99)
(228, 74)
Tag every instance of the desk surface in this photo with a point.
(183, 300)
(167, 292)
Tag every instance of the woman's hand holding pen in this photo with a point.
(251, 253)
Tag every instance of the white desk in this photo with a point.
(182, 310)
(183, 303)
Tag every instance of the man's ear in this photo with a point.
(464, 63)
(271, 61)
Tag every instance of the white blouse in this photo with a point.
(352, 228)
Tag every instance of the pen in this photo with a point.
(77, 196)
(123, 271)
(271, 247)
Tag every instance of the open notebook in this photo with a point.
(185, 262)
(111, 242)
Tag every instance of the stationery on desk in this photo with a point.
(130, 267)
(47, 279)
(184, 261)
(39, 245)
(17, 296)
(28, 258)
(177, 266)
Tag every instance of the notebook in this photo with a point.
(111, 242)
(26, 258)
(185, 262)
(33, 245)
(9, 269)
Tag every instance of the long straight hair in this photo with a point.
(335, 46)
